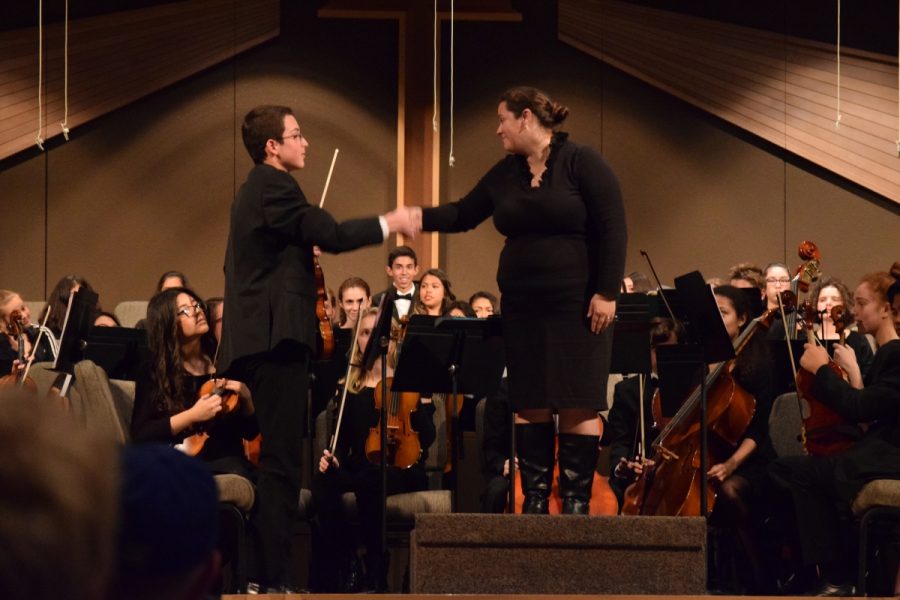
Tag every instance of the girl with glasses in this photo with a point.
(168, 407)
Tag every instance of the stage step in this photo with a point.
(537, 554)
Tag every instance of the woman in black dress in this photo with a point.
(560, 208)
(167, 408)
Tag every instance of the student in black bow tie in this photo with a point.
(402, 267)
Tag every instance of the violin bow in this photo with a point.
(337, 426)
(34, 348)
(328, 179)
(659, 287)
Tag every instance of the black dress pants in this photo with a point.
(279, 382)
(817, 505)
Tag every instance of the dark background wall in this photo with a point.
(147, 188)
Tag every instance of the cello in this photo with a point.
(673, 487)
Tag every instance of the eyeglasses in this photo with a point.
(782, 280)
(190, 311)
(296, 136)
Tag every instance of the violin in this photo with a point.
(825, 432)
(325, 340)
(193, 444)
(19, 378)
(403, 446)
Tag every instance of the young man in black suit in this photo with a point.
(402, 267)
(269, 325)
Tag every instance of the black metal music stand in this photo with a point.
(631, 339)
(706, 328)
(452, 356)
(80, 315)
(120, 351)
(631, 344)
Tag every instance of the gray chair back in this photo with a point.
(784, 426)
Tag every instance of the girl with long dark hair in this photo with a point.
(167, 405)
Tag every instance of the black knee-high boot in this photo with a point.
(536, 453)
(577, 463)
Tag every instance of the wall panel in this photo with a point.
(781, 88)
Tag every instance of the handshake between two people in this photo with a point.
(406, 220)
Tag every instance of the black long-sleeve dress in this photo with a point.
(565, 242)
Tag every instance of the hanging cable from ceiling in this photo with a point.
(837, 122)
(65, 122)
(39, 140)
(434, 100)
(452, 159)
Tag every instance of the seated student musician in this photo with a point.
(823, 487)
(58, 302)
(172, 279)
(434, 296)
(777, 279)
(11, 302)
(461, 310)
(624, 416)
(495, 449)
(742, 477)
(349, 470)
(828, 293)
(106, 319)
(748, 275)
(166, 281)
(167, 404)
(636, 283)
(353, 297)
(484, 304)
(402, 267)
(215, 308)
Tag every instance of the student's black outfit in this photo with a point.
(823, 487)
(565, 242)
(268, 333)
(495, 447)
(358, 475)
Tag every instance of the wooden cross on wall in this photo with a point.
(418, 145)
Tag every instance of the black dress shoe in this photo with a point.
(833, 589)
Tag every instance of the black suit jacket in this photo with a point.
(270, 286)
